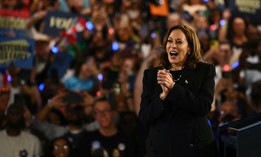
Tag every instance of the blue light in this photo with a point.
(115, 46)
(153, 35)
(41, 87)
(205, 1)
(9, 78)
(100, 77)
(89, 25)
(222, 22)
(209, 122)
(235, 65)
(55, 49)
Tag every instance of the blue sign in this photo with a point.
(57, 21)
(250, 9)
(19, 51)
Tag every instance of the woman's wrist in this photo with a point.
(163, 96)
(172, 85)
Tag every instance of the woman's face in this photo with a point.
(239, 26)
(177, 48)
(61, 148)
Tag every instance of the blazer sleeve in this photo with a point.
(197, 102)
(151, 106)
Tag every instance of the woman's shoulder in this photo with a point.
(153, 70)
(205, 65)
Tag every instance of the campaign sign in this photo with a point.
(57, 21)
(19, 51)
(13, 22)
(13, 19)
(250, 9)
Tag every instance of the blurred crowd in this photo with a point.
(90, 108)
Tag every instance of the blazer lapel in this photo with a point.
(187, 78)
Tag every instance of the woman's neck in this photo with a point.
(240, 39)
(176, 67)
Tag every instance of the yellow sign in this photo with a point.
(14, 50)
(249, 6)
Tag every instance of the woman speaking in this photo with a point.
(177, 97)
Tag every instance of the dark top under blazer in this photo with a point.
(178, 125)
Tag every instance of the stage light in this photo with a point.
(89, 25)
(153, 35)
(115, 46)
(9, 78)
(41, 87)
(226, 67)
(222, 22)
(55, 49)
(100, 77)
(235, 65)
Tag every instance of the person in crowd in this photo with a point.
(76, 131)
(220, 55)
(249, 64)
(11, 4)
(75, 6)
(130, 125)
(55, 116)
(153, 60)
(108, 137)
(4, 98)
(59, 147)
(132, 9)
(228, 112)
(100, 36)
(173, 20)
(177, 97)
(253, 34)
(111, 72)
(39, 11)
(235, 31)
(15, 142)
(125, 81)
(255, 96)
(85, 76)
(23, 84)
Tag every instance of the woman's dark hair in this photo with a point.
(194, 45)
(79, 63)
(60, 115)
(230, 29)
(78, 66)
(50, 146)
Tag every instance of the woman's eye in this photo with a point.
(178, 42)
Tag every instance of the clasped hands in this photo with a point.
(165, 80)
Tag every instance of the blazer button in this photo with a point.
(191, 145)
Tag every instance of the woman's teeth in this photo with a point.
(173, 53)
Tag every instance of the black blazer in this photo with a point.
(178, 125)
